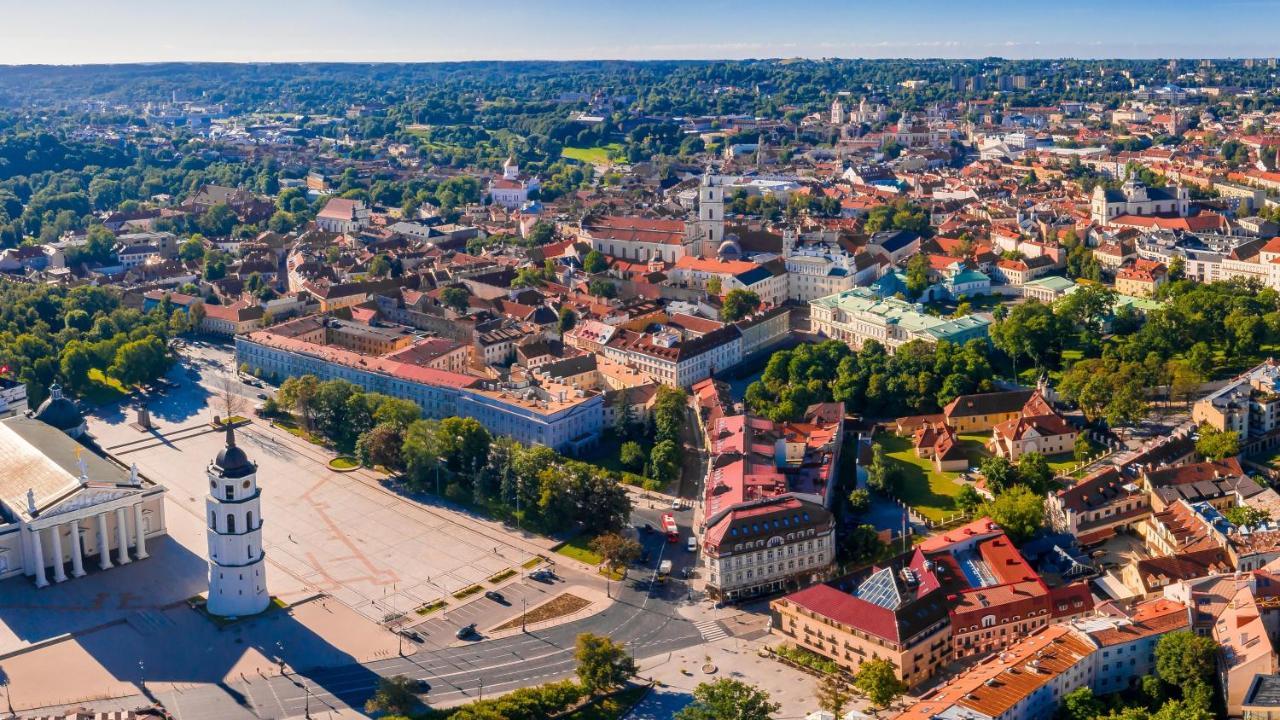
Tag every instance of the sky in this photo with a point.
(117, 31)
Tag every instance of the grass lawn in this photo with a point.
(1061, 462)
(344, 462)
(103, 389)
(578, 550)
(591, 155)
(931, 493)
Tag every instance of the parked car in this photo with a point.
(496, 596)
(466, 631)
(675, 504)
(545, 576)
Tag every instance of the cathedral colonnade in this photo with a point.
(59, 543)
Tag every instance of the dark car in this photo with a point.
(644, 557)
(647, 528)
(545, 576)
(421, 686)
(496, 596)
(466, 631)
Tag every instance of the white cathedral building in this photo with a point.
(65, 508)
(237, 561)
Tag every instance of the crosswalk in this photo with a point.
(711, 630)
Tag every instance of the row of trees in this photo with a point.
(458, 458)
(918, 378)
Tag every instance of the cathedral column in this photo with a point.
(77, 559)
(122, 538)
(141, 533)
(104, 546)
(59, 572)
(38, 550)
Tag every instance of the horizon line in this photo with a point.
(791, 58)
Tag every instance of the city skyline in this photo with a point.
(149, 31)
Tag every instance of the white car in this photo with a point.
(693, 544)
(675, 504)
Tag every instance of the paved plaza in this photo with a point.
(337, 533)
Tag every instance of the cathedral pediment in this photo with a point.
(86, 498)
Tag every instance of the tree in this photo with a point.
(602, 663)
(139, 361)
(833, 694)
(728, 698)
(191, 249)
(1019, 511)
(218, 220)
(542, 233)
(917, 275)
(1035, 473)
(1082, 449)
(862, 543)
(715, 286)
(1177, 268)
(227, 401)
(968, 498)
(878, 680)
(859, 500)
(999, 472)
(615, 549)
(380, 266)
(737, 304)
(1245, 516)
(1184, 379)
(631, 455)
(567, 319)
(594, 262)
(1184, 658)
(1079, 704)
(381, 446)
(602, 288)
(1215, 444)
(455, 297)
(394, 696)
(664, 461)
(882, 475)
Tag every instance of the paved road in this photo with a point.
(649, 628)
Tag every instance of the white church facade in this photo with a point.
(65, 508)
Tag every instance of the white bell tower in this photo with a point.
(237, 563)
(710, 214)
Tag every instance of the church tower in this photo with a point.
(237, 563)
(837, 112)
(510, 170)
(710, 214)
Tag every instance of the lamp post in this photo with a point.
(524, 612)
(307, 689)
(280, 647)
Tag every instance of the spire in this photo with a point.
(231, 435)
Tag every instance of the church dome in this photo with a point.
(231, 460)
(59, 412)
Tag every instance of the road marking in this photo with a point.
(711, 630)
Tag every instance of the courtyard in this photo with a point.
(932, 492)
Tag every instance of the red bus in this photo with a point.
(669, 527)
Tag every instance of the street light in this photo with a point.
(280, 647)
(524, 612)
(307, 688)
